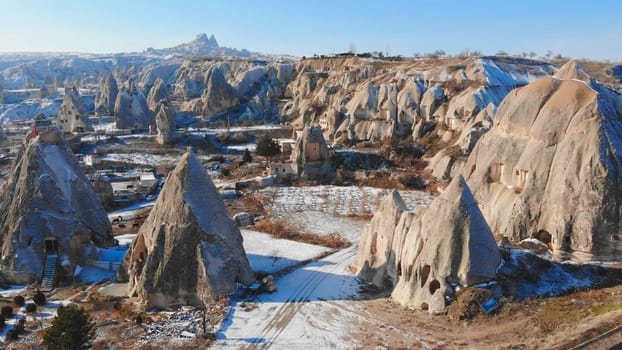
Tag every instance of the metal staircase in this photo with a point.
(48, 275)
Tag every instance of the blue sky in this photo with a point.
(571, 27)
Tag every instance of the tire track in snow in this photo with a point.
(285, 313)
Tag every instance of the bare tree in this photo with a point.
(387, 49)
(532, 54)
(548, 54)
(352, 49)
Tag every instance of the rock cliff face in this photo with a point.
(49, 197)
(157, 93)
(311, 155)
(131, 110)
(72, 115)
(548, 168)
(427, 255)
(189, 249)
(243, 89)
(106, 95)
(375, 260)
(355, 99)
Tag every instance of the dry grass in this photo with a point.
(279, 229)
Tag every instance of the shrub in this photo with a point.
(71, 329)
(412, 181)
(6, 311)
(39, 298)
(21, 325)
(31, 308)
(12, 334)
(19, 300)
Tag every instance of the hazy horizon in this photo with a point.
(572, 28)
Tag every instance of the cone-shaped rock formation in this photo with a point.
(72, 115)
(428, 254)
(48, 198)
(189, 250)
(549, 167)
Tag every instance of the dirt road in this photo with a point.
(310, 307)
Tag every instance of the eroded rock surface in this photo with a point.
(189, 250)
(426, 255)
(49, 197)
(550, 165)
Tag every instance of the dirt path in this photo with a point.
(298, 313)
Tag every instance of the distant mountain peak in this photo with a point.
(202, 45)
(203, 40)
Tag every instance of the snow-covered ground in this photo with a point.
(267, 254)
(314, 305)
(332, 209)
(310, 309)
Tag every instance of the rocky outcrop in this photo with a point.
(48, 197)
(72, 116)
(106, 95)
(157, 94)
(375, 259)
(202, 45)
(218, 95)
(165, 124)
(131, 110)
(189, 250)
(548, 168)
(425, 256)
(389, 101)
(311, 156)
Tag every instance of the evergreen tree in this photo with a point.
(267, 147)
(246, 157)
(39, 298)
(71, 329)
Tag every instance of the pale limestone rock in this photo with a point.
(165, 124)
(189, 250)
(372, 262)
(157, 93)
(448, 244)
(49, 197)
(549, 165)
(131, 110)
(423, 256)
(72, 116)
(106, 95)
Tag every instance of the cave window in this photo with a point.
(425, 272)
(434, 285)
(543, 236)
(374, 242)
(520, 178)
(399, 269)
(495, 172)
